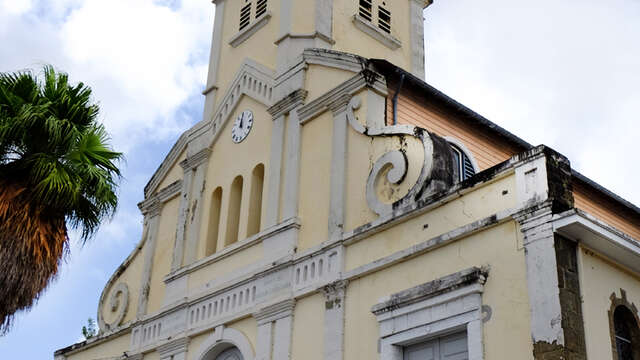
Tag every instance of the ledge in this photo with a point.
(383, 37)
(232, 249)
(245, 33)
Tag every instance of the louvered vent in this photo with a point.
(245, 15)
(365, 9)
(261, 8)
(467, 167)
(384, 19)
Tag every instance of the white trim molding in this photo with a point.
(246, 33)
(222, 339)
(448, 304)
(599, 236)
(386, 39)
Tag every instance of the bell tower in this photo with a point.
(274, 33)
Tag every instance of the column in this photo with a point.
(151, 211)
(338, 167)
(275, 325)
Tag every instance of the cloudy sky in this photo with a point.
(561, 73)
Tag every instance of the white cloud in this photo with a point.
(13, 7)
(143, 59)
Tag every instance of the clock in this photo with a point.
(242, 126)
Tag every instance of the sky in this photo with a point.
(560, 73)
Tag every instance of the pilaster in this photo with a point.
(338, 167)
(334, 319)
(275, 325)
(151, 212)
(416, 18)
(174, 350)
(211, 89)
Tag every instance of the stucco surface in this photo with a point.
(175, 173)
(112, 348)
(506, 334)
(308, 328)
(599, 278)
(483, 202)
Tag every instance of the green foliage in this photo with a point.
(90, 330)
(51, 142)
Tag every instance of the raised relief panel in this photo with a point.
(111, 314)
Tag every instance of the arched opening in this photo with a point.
(230, 354)
(255, 200)
(463, 162)
(626, 334)
(233, 220)
(214, 221)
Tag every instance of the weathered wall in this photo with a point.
(112, 348)
(164, 252)
(507, 335)
(599, 279)
(483, 202)
(175, 173)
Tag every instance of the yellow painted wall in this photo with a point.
(315, 167)
(154, 355)
(308, 328)
(259, 47)
(320, 79)
(229, 160)
(484, 201)
(195, 343)
(249, 328)
(506, 336)
(599, 278)
(225, 266)
(350, 39)
(175, 173)
(164, 253)
(109, 349)
(304, 20)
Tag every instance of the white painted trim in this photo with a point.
(217, 343)
(386, 39)
(466, 151)
(338, 174)
(416, 31)
(599, 236)
(275, 172)
(460, 309)
(251, 29)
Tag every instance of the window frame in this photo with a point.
(458, 145)
(417, 314)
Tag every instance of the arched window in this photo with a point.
(230, 354)
(255, 200)
(626, 334)
(233, 220)
(463, 162)
(214, 221)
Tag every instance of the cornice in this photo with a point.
(174, 347)
(275, 311)
(196, 159)
(288, 103)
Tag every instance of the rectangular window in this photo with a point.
(366, 9)
(451, 347)
(261, 8)
(384, 19)
(245, 16)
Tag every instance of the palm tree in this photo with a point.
(56, 170)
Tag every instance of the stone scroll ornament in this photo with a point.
(437, 174)
(118, 304)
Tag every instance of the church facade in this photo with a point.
(332, 205)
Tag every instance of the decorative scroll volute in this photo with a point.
(437, 171)
(116, 307)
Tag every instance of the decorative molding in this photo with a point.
(275, 312)
(246, 33)
(174, 347)
(431, 310)
(288, 103)
(314, 35)
(119, 306)
(195, 160)
(342, 92)
(222, 339)
(386, 39)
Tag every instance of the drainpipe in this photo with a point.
(395, 100)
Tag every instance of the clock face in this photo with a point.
(242, 126)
